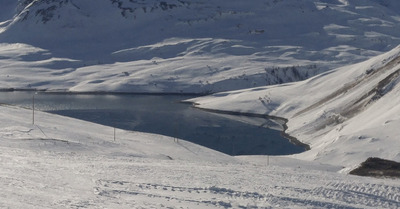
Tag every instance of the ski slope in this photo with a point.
(65, 163)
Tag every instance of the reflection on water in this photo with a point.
(163, 114)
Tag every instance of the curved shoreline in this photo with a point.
(280, 120)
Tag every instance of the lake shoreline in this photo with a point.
(46, 91)
(281, 126)
(279, 120)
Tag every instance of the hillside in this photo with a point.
(346, 115)
(184, 46)
(66, 163)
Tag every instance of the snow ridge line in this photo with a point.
(369, 74)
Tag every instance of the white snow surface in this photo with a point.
(60, 162)
(346, 115)
(181, 46)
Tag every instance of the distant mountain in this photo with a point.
(201, 46)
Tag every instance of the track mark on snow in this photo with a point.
(209, 196)
(371, 195)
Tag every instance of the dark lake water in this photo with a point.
(166, 115)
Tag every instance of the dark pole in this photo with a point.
(33, 109)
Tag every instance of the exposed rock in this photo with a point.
(377, 167)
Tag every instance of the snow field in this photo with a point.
(345, 115)
(183, 46)
(67, 163)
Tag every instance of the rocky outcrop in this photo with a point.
(377, 167)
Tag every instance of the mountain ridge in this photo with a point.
(199, 46)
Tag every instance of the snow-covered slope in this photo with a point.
(346, 115)
(186, 46)
(66, 163)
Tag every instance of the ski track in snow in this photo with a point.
(334, 194)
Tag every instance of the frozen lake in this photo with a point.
(166, 115)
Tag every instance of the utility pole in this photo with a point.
(33, 109)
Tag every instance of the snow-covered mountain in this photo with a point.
(186, 46)
(346, 115)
